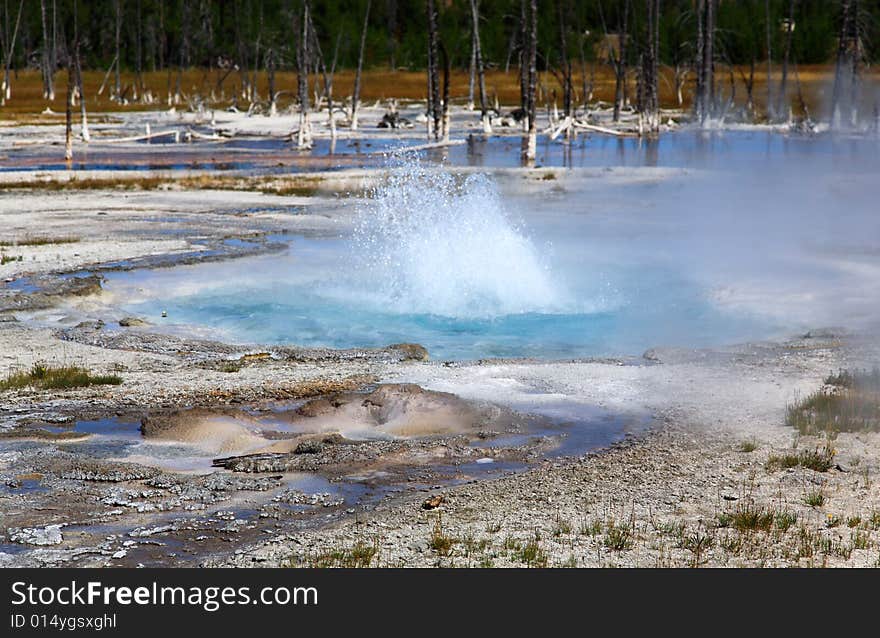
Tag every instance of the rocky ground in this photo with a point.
(695, 489)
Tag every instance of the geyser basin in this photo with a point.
(600, 267)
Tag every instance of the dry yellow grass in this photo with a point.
(27, 103)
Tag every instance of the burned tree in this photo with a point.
(849, 55)
(788, 26)
(617, 58)
(531, 142)
(356, 93)
(478, 63)
(304, 136)
(564, 64)
(117, 91)
(704, 100)
(649, 103)
(433, 82)
(46, 60)
(6, 92)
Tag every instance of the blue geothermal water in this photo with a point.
(601, 267)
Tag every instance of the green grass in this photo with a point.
(40, 241)
(440, 542)
(818, 460)
(359, 555)
(748, 446)
(849, 403)
(618, 537)
(5, 259)
(56, 378)
(532, 554)
(815, 498)
(748, 517)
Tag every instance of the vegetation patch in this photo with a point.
(818, 460)
(40, 241)
(56, 378)
(849, 402)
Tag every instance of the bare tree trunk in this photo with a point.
(843, 46)
(433, 81)
(6, 92)
(789, 32)
(68, 135)
(532, 140)
(770, 110)
(855, 58)
(139, 50)
(84, 132)
(620, 67)
(302, 64)
(478, 53)
(472, 74)
(356, 94)
(118, 80)
(444, 115)
(709, 58)
(650, 107)
(524, 64)
(48, 72)
(270, 73)
(565, 65)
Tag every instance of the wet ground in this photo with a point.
(155, 490)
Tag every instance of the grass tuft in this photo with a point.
(56, 378)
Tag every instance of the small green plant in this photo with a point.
(815, 498)
(748, 446)
(590, 528)
(359, 555)
(562, 527)
(618, 537)
(56, 378)
(747, 517)
(697, 542)
(5, 259)
(853, 521)
(532, 554)
(440, 542)
(493, 527)
(832, 521)
(860, 539)
(785, 519)
(818, 460)
(40, 241)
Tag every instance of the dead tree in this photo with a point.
(270, 76)
(704, 103)
(68, 131)
(524, 64)
(356, 93)
(770, 112)
(444, 112)
(788, 25)
(433, 82)
(619, 63)
(848, 61)
(304, 137)
(531, 145)
(478, 61)
(649, 105)
(117, 94)
(46, 61)
(565, 68)
(6, 92)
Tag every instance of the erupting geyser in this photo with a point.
(439, 244)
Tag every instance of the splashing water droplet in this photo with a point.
(435, 243)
